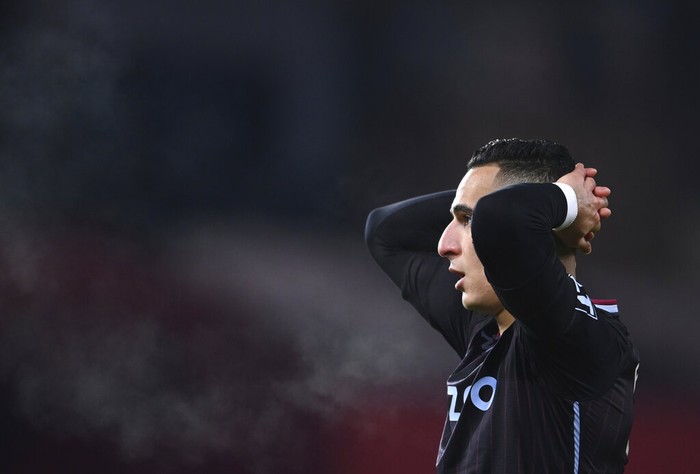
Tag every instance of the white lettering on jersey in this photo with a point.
(479, 402)
(453, 413)
(473, 393)
(586, 305)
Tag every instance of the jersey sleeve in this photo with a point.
(403, 238)
(512, 235)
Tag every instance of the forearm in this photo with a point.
(512, 231)
(395, 232)
(512, 235)
(403, 239)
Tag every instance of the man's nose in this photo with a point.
(448, 244)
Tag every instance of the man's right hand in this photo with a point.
(593, 207)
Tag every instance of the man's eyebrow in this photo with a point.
(462, 208)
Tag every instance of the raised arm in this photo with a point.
(512, 231)
(513, 238)
(403, 239)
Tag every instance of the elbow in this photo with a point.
(373, 220)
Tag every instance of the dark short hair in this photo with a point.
(524, 161)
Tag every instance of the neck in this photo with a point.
(504, 319)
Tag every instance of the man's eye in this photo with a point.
(466, 220)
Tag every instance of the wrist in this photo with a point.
(571, 206)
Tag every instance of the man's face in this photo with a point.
(456, 242)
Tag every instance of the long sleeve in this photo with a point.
(580, 350)
(403, 240)
(512, 235)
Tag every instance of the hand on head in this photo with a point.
(592, 208)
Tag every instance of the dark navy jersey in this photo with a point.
(553, 393)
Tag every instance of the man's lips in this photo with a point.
(458, 285)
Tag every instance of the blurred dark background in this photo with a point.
(183, 187)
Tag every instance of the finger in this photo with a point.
(585, 247)
(589, 236)
(604, 212)
(590, 172)
(590, 184)
(602, 191)
(580, 170)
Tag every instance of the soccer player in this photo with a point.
(547, 375)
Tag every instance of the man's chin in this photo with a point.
(469, 303)
(478, 305)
